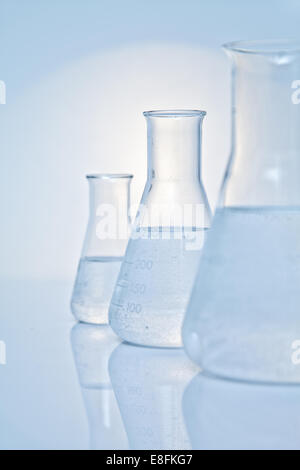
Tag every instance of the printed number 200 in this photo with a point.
(144, 264)
(134, 308)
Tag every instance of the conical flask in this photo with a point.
(149, 385)
(243, 318)
(162, 256)
(104, 246)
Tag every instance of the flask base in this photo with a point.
(248, 361)
(163, 331)
(90, 315)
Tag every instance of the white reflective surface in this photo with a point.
(68, 386)
(232, 415)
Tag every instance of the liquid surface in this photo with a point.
(95, 282)
(244, 313)
(154, 287)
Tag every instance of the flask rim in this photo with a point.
(167, 113)
(264, 46)
(109, 176)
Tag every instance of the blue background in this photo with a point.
(78, 74)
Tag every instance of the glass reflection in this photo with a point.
(149, 385)
(228, 415)
(92, 346)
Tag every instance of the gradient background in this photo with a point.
(78, 74)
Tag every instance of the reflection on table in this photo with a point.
(149, 385)
(92, 346)
(228, 415)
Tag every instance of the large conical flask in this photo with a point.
(243, 318)
(162, 256)
(103, 248)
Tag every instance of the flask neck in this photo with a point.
(265, 117)
(111, 191)
(174, 146)
(109, 219)
(265, 133)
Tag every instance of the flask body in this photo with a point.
(242, 321)
(104, 247)
(162, 256)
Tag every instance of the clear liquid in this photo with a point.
(95, 282)
(244, 313)
(154, 286)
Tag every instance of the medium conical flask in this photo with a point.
(243, 318)
(162, 256)
(104, 246)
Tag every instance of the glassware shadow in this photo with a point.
(92, 346)
(231, 415)
(149, 384)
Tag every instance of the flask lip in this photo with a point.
(268, 46)
(166, 113)
(109, 176)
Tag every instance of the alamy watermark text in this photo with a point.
(2, 353)
(159, 221)
(296, 94)
(296, 352)
(2, 92)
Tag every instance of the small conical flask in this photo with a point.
(104, 246)
(162, 256)
(92, 346)
(149, 384)
(243, 318)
